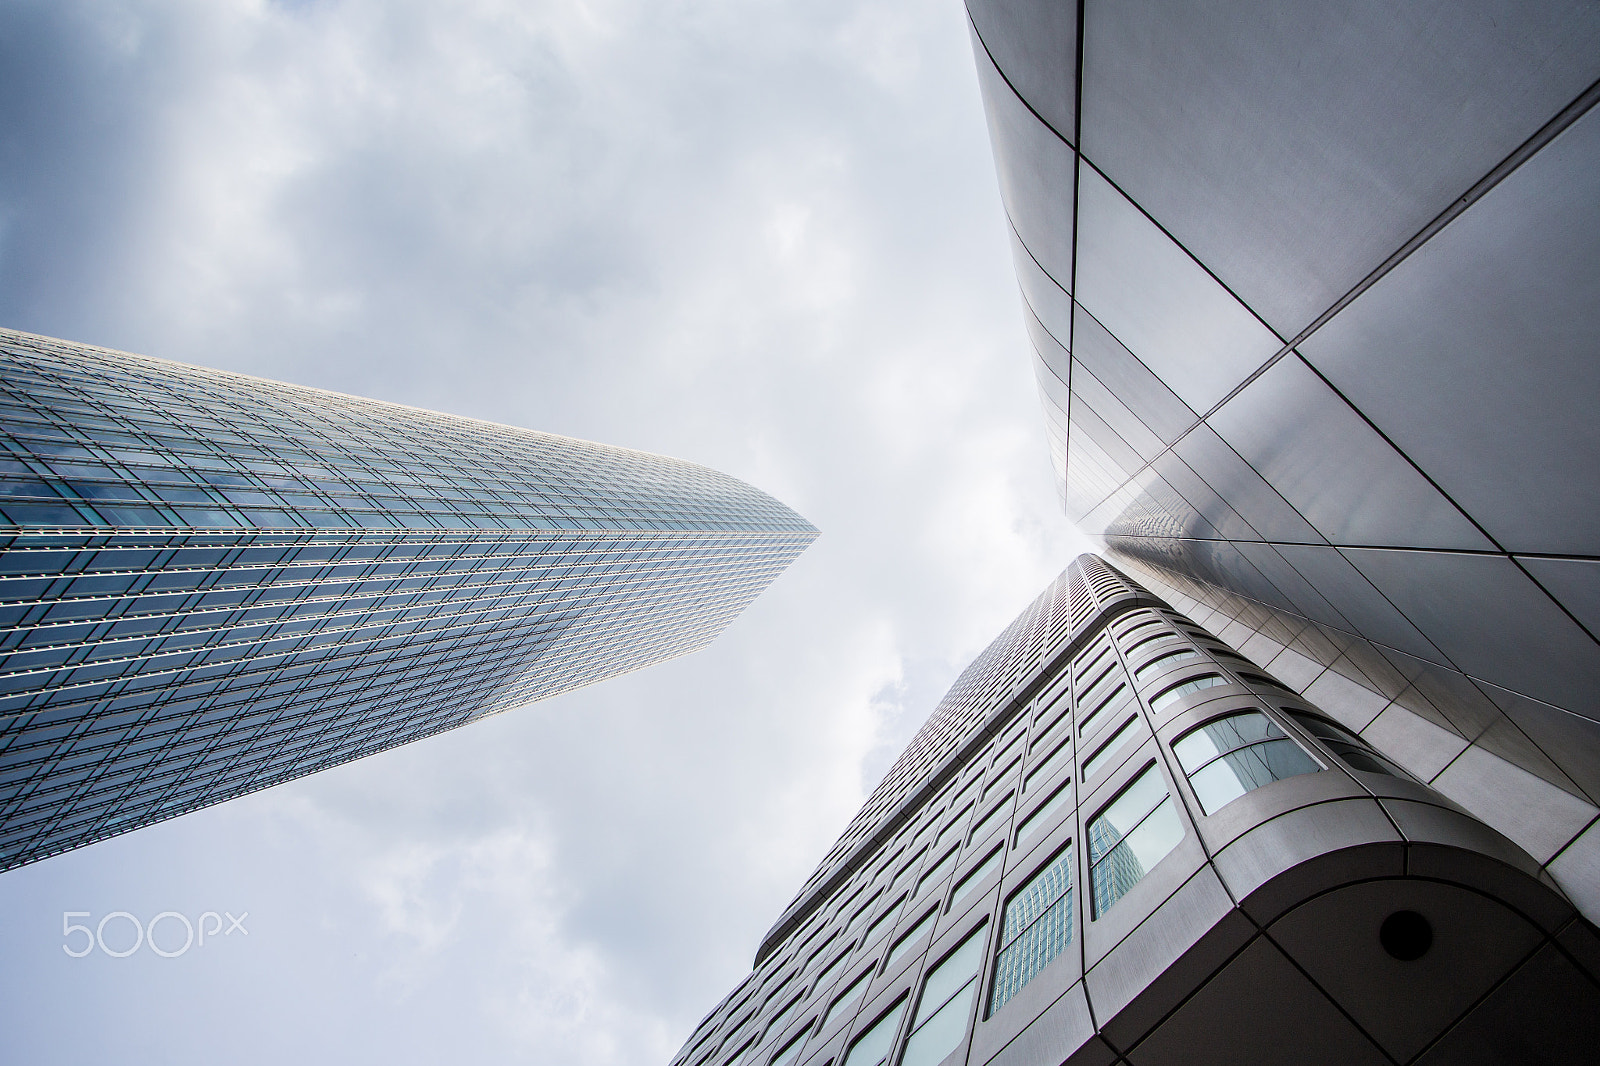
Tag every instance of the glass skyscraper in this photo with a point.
(1309, 771)
(212, 583)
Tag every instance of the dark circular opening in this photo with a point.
(1406, 935)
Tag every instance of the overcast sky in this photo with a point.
(757, 234)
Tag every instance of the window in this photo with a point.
(1117, 696)
(1045, 733)
(784, 1017)
(1350, 748)
(791, 1050)
(871, 1048)
(976, 877)
(1048, 765)
(1038, 927)
(940, 871)
(990, 820)
(1227, 757)
(1133, 833)
(1164, 662)
(1145, 624)
(1088, 661)
(913, 935)
(881, 926)
(1097, 762)
(946, 1005)
(847, 998)
(1147, 638)
(1046, 810)
(998, 780)
(1174, 693)
(831, 974)
(909, 868)
(855, 919)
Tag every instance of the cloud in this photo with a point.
(760, 236)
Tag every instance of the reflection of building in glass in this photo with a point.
(1313, 293)
(212, 583)
(1204, 915)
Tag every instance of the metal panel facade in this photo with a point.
(1314, 303)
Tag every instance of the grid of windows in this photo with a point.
(211, 583)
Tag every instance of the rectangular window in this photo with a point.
(826, 979)
(784, 1017)
(1047, 810)
(1048, 765)
(1345, 744)
(872, 1047)
(1001, 811)
(909, 940)
(1037, 928)
(855, 919)
(1088, 661)
(881, 926)
(1115, 699)
(1102, 755)
(1164, 662)
(945, 1009)
(847, 998)
(1227, 757)
(909, 868)
(998, 780)
(1045, 733)
(977, 876)
(1135, 831)
(938, 873)
(791, 1050)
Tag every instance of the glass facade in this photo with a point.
(211, 583)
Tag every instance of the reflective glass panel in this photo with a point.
(1038, 928)
(977, 876)
(1169, 696)
(1350, 748)
(1231, 756)
(1136, 831)
(871, 1048)
(847, 998)
(1098, 761)
(1165, 662)
(946, 1005)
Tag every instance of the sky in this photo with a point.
(760, 235)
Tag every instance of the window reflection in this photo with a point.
(1227, 757)
(1137, 830)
